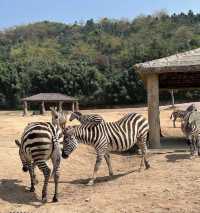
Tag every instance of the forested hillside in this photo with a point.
(92, 61)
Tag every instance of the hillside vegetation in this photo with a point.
(92, 61)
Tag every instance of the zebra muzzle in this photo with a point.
(25, 168)
(64, 155)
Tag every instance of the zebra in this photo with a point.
(40, 142)
(121, 135)
(83, 119)
(182, 113)
(191, 130)
(61, 116)
(177, 114)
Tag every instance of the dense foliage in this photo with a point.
(92, 61)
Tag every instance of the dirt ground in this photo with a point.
(172, 184)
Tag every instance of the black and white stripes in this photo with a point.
(84, 119)
(114, 136)
(39, 142)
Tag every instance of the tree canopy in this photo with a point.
(92, 61)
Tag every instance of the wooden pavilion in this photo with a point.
(50, 98)
(179, 71)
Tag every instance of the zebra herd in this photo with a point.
(41, 141)
(190, 126)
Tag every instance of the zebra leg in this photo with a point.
(143, 147)
(46, 171)
(56, 174)
(96, 168)
(32, 176)
(174, 123)
(198, 145)
(107, 158)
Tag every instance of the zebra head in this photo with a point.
(22, 157)
(55, 116)
(70, 143)
(74, 115)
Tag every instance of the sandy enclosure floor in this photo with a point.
(172, 184)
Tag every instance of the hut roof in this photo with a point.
(183, 62)
(50, 97)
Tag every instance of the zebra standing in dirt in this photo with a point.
(190, 127)
(83, 119)
(39, 142)
(177, 114)
(113, 136)
(182, 113)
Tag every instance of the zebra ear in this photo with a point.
(17, 143)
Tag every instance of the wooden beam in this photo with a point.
(73, 107)
(77, 106)
(25, 108)
(153, 110)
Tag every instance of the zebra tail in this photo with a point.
(171, 115)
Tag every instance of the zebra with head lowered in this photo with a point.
(83, 119)
(112, 136)
(40, 142)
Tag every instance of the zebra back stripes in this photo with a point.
(84, 119)
(39, 142)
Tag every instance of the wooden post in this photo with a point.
(77, 106)
(172, 97)
(42, 108)
(25, 108)
(60, 106)
(153, 110)
(73, 107)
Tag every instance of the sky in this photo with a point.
(18, 12)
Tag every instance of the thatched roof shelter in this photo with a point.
(179, 71)
(50, 97)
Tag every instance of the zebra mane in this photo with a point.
(78, 113)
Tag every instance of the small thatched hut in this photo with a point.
(52, 98)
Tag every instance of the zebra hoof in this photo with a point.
(111, 174)
(32, 189)
(90, 183)
(55, 199)
(148, 166)
(44, 199)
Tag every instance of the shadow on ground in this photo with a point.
(176, 157)
(13, 192)
(102, 179)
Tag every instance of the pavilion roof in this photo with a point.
(188, 61)
(50, 97)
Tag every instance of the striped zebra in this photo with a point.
(83, 119)
(40, 142)
(182, 113)
(61, 116)
(112, 136)
(190, 127)
(177, 114)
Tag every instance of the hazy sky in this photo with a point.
(16, 12)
